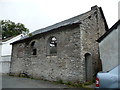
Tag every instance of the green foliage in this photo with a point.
(75, 84)
(61, 82)
(71, 84)
(88, 83)
(30, 34)
(9, 28)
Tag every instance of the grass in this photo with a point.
(75, 85)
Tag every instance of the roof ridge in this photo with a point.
(71, 21)
(65, 22)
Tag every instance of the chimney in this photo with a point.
(94, 7)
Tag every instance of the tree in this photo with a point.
(9, 28)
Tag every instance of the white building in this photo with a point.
(0, 57)
(5, 56)
(108, 44)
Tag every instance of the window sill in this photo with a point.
(33, 56)
(52, 55)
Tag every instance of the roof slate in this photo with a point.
(71, 21)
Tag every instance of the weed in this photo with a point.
(87, 83)
(61, 82)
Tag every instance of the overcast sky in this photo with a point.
(36, 14)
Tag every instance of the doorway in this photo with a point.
(88, 67)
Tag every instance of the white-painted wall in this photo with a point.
(0, 66)
(109, 50)
(6, 63)
(0, 57)
(6, 54)
(6, 47)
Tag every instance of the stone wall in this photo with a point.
(91, 29)
(74, 42)
(63, 66)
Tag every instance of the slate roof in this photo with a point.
(71, 21)
(4, 40)
(114, 27)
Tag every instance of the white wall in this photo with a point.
(109, 51)
(6, 63)
(5, 56)
(0, 58)
(6, 47)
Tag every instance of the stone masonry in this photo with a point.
(75, 53)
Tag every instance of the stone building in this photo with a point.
(65, 51)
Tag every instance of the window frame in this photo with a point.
(49, 48)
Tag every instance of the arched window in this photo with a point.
(33, 44)
(33, 48)
(52, 46)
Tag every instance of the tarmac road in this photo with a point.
(18, 82)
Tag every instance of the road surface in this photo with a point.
(18, 82)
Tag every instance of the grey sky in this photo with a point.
(36, 14)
